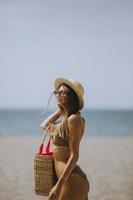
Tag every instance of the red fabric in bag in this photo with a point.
(48, 152)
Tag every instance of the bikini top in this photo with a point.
(60, 134)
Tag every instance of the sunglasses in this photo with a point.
(61, 93)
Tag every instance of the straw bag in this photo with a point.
(44, 172)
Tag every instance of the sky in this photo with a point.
(86, 40)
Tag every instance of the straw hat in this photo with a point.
(75, 85)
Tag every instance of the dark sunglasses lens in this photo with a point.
(55, 92)
(61, 92)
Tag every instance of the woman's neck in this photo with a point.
(68, 113)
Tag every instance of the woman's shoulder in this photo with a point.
(75, 124)
(75, 119)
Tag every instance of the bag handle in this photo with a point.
(47, 150)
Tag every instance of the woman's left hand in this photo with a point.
(55, 192)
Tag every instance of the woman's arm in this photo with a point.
(53, 117)
(74, 126)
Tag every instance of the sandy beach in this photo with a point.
(108, 163)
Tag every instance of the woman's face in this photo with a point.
(62, 96)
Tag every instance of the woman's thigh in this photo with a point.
(76, 188)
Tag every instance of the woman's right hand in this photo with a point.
(44, 125)
(50, 120)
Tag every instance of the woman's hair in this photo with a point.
(73, 102)
(73, 106)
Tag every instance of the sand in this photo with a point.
(108, 163)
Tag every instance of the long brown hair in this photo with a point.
(73, 102)
(73, 106)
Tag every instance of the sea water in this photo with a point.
(98, 122)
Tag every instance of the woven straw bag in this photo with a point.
(44, 172)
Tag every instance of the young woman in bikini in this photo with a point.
(66, 127)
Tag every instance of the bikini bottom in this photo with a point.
(77, 170)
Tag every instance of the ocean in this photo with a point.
(98, 122)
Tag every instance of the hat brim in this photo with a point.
(61, 81)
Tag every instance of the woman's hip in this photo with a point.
(76, 187)
(77, 179)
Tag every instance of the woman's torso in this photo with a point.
(60, 142)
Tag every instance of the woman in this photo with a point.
(66, 128)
